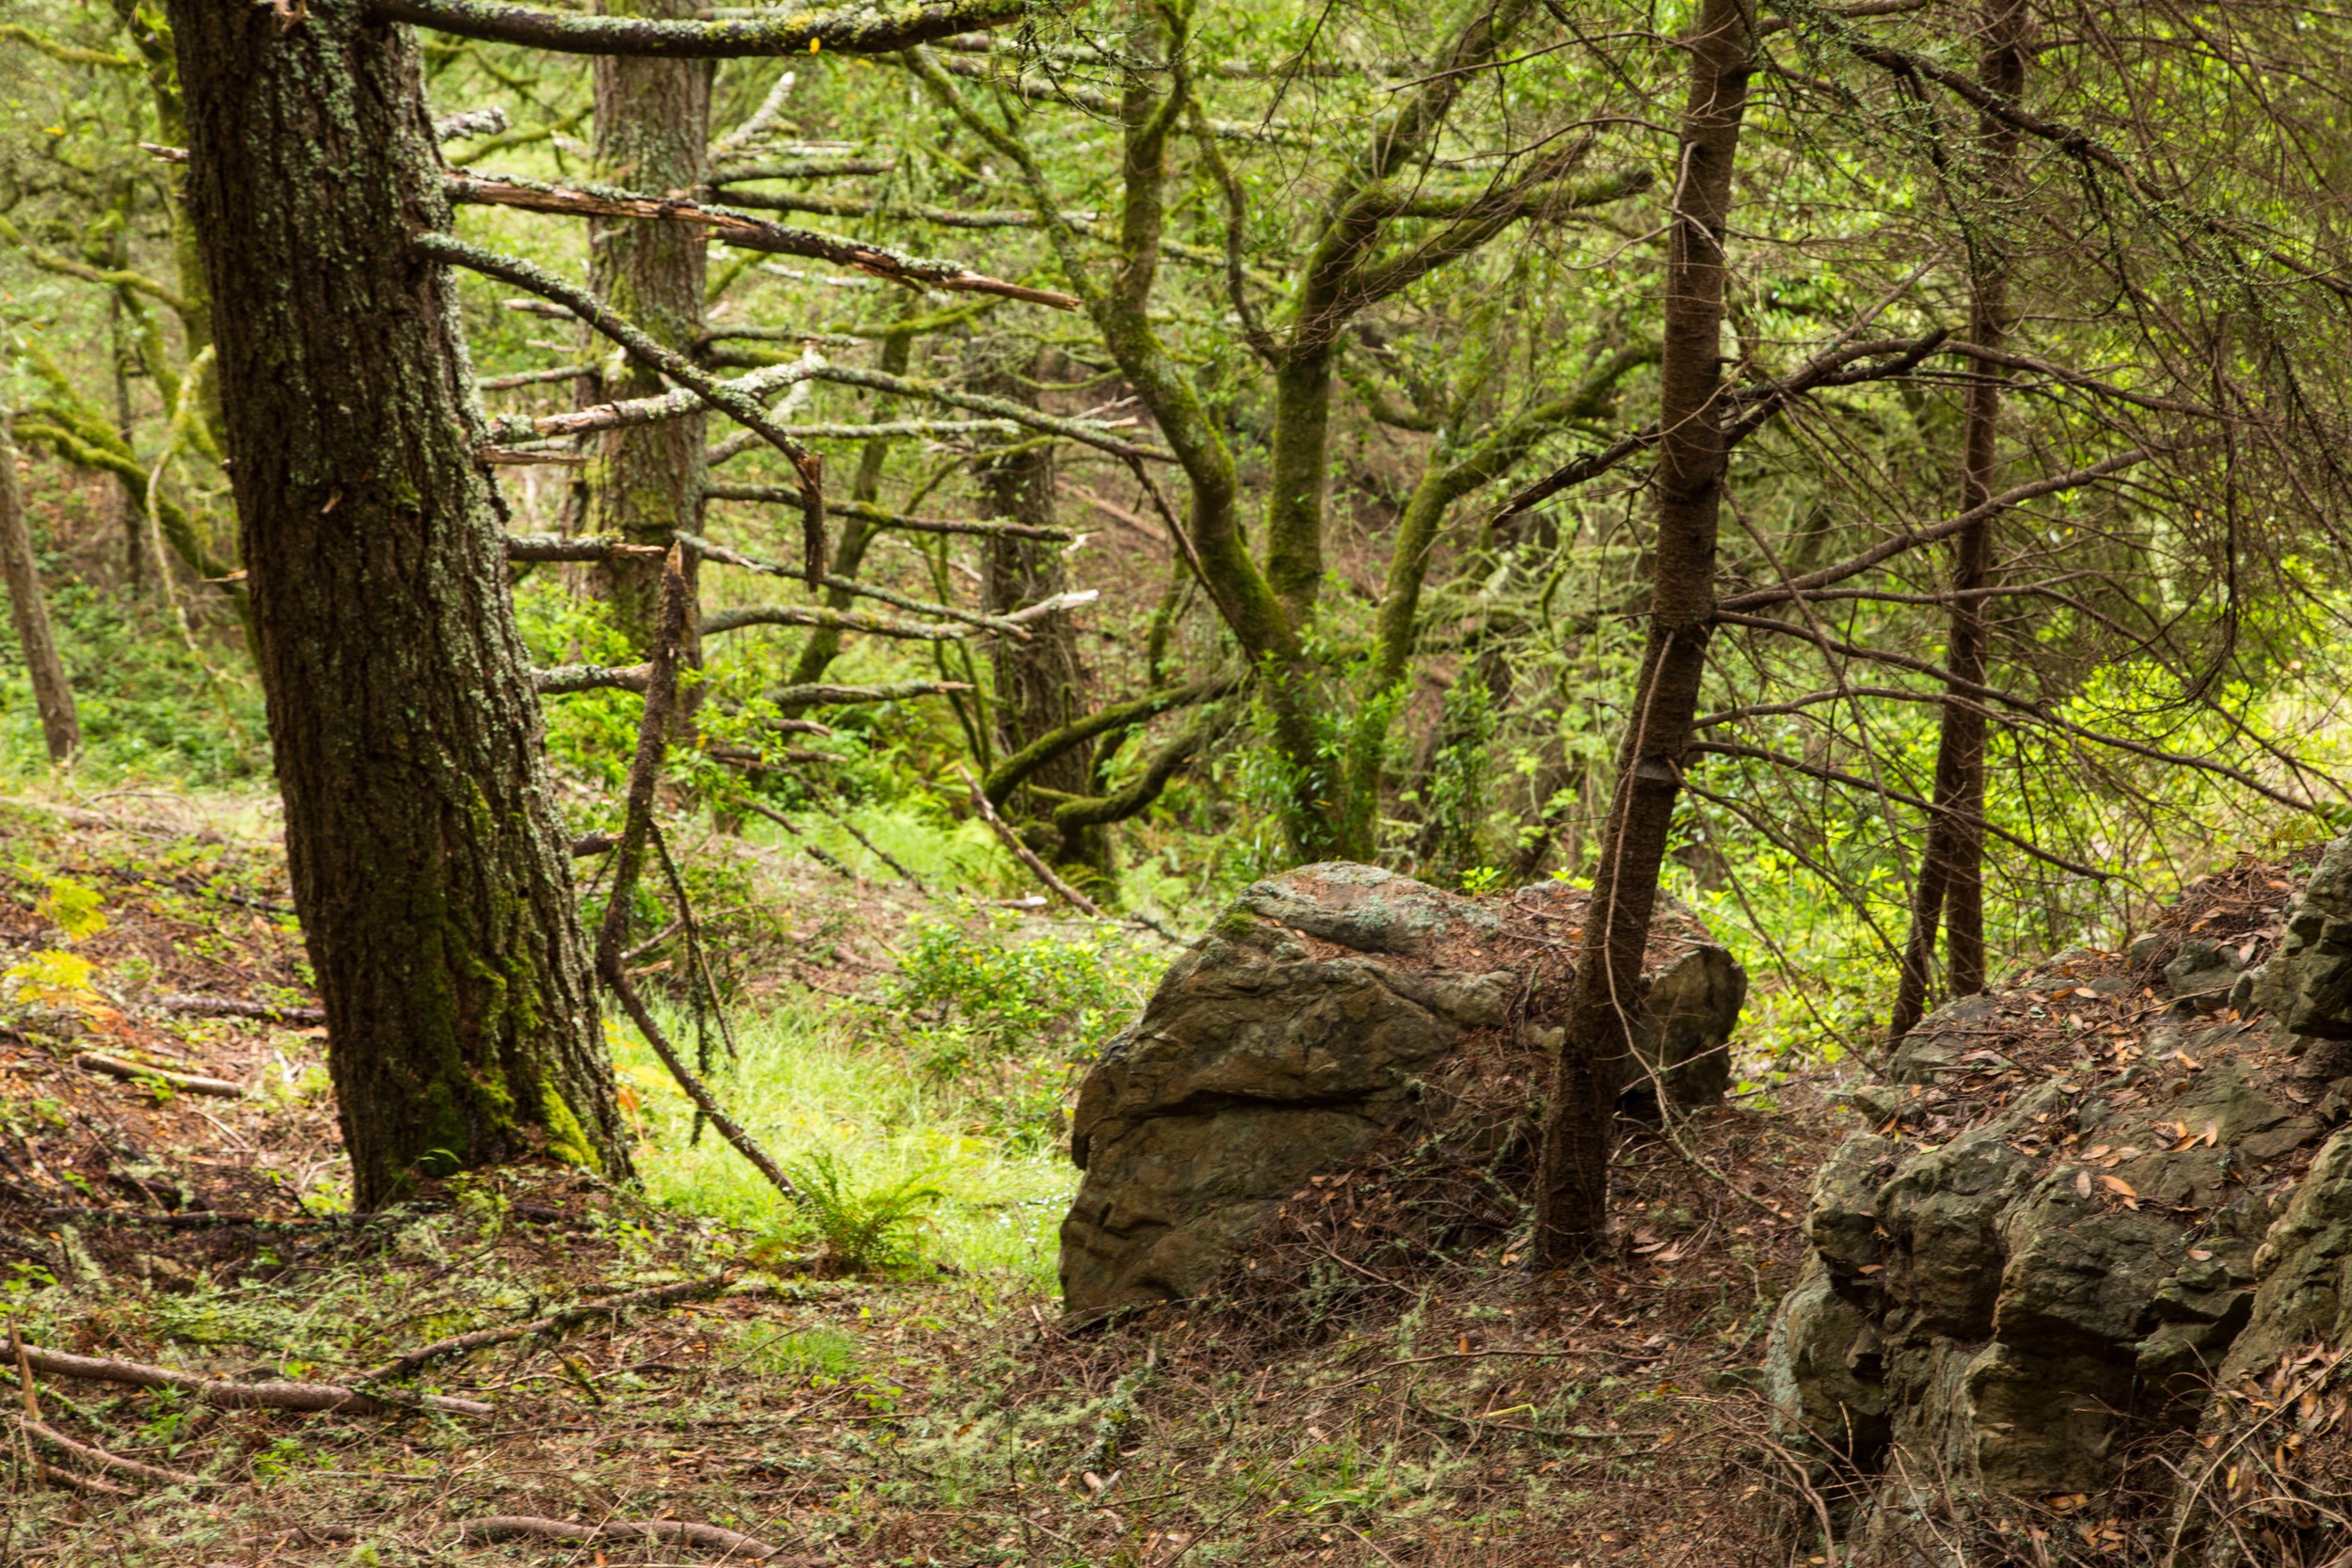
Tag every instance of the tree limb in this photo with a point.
(863, 28)
(745, 232)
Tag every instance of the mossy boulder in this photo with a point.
(1300, 1029)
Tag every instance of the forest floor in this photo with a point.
(927, 1414)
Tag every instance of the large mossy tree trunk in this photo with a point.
(653, 131)
(434, 884)
(1572, 1180)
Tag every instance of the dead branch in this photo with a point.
(636, 825)
(224, 1007)
(238, 1396)
(609, 1306)
(867, 512)
(821, 694)
(189, 1082)
(105, 1460)
(508, 1527)
(1022, 852)
(730, 400)
(859, 27)
(559, 679)
(745, 232)
(1854, 781)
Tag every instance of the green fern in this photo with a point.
(862, 1231)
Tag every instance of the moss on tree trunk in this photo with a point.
(433, 886)
(653, 126)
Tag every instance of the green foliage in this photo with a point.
(1013, 1015)
(860, 1229)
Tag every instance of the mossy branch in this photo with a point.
(872, 27)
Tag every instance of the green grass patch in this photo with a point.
(815, 1086)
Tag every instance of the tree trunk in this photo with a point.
(1572, 1181)
(52, 697)
(433, 881)
(1041, 684)
(1951, 866)
(653, 134)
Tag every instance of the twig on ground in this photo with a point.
(507, 1527)
(105, 1460)
(229, 1007)
(461, 1344)
(236, 1396)
(91, 1061)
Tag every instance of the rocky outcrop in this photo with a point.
(1301, 1029)
(2063, 1222)
(2307, 987)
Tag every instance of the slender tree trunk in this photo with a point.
(653, 134)
(1572, 1181)
(52, 697)
(1041, 684)
(433, 881)
(1950, 884)
(125, 514)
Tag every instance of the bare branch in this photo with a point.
(745, 232)
(863, 28)
(727, 399)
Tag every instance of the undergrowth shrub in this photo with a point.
(1016, 1017)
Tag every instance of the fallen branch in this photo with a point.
(463, 1344)
(1022, 852)
(113, 1066)
(236, 1396)
(508, 1527)
(105, 1460)
(228, 1007)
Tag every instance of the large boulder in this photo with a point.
(2061, 1222)
(1301, 1029)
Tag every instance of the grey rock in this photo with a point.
(2304, 1266)
(2202, 967)
(1821, 1372)
(2307, 983)
(1297, 1032)
(2016, 1309)
(1934, 1049)
(2144, 949)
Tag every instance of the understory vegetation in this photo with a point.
(641, 635)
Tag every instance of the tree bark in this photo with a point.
(1950, 885)
(53, 697)
(432, 878)
(1572, 1180)
(653, 133)
(1041, 684)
